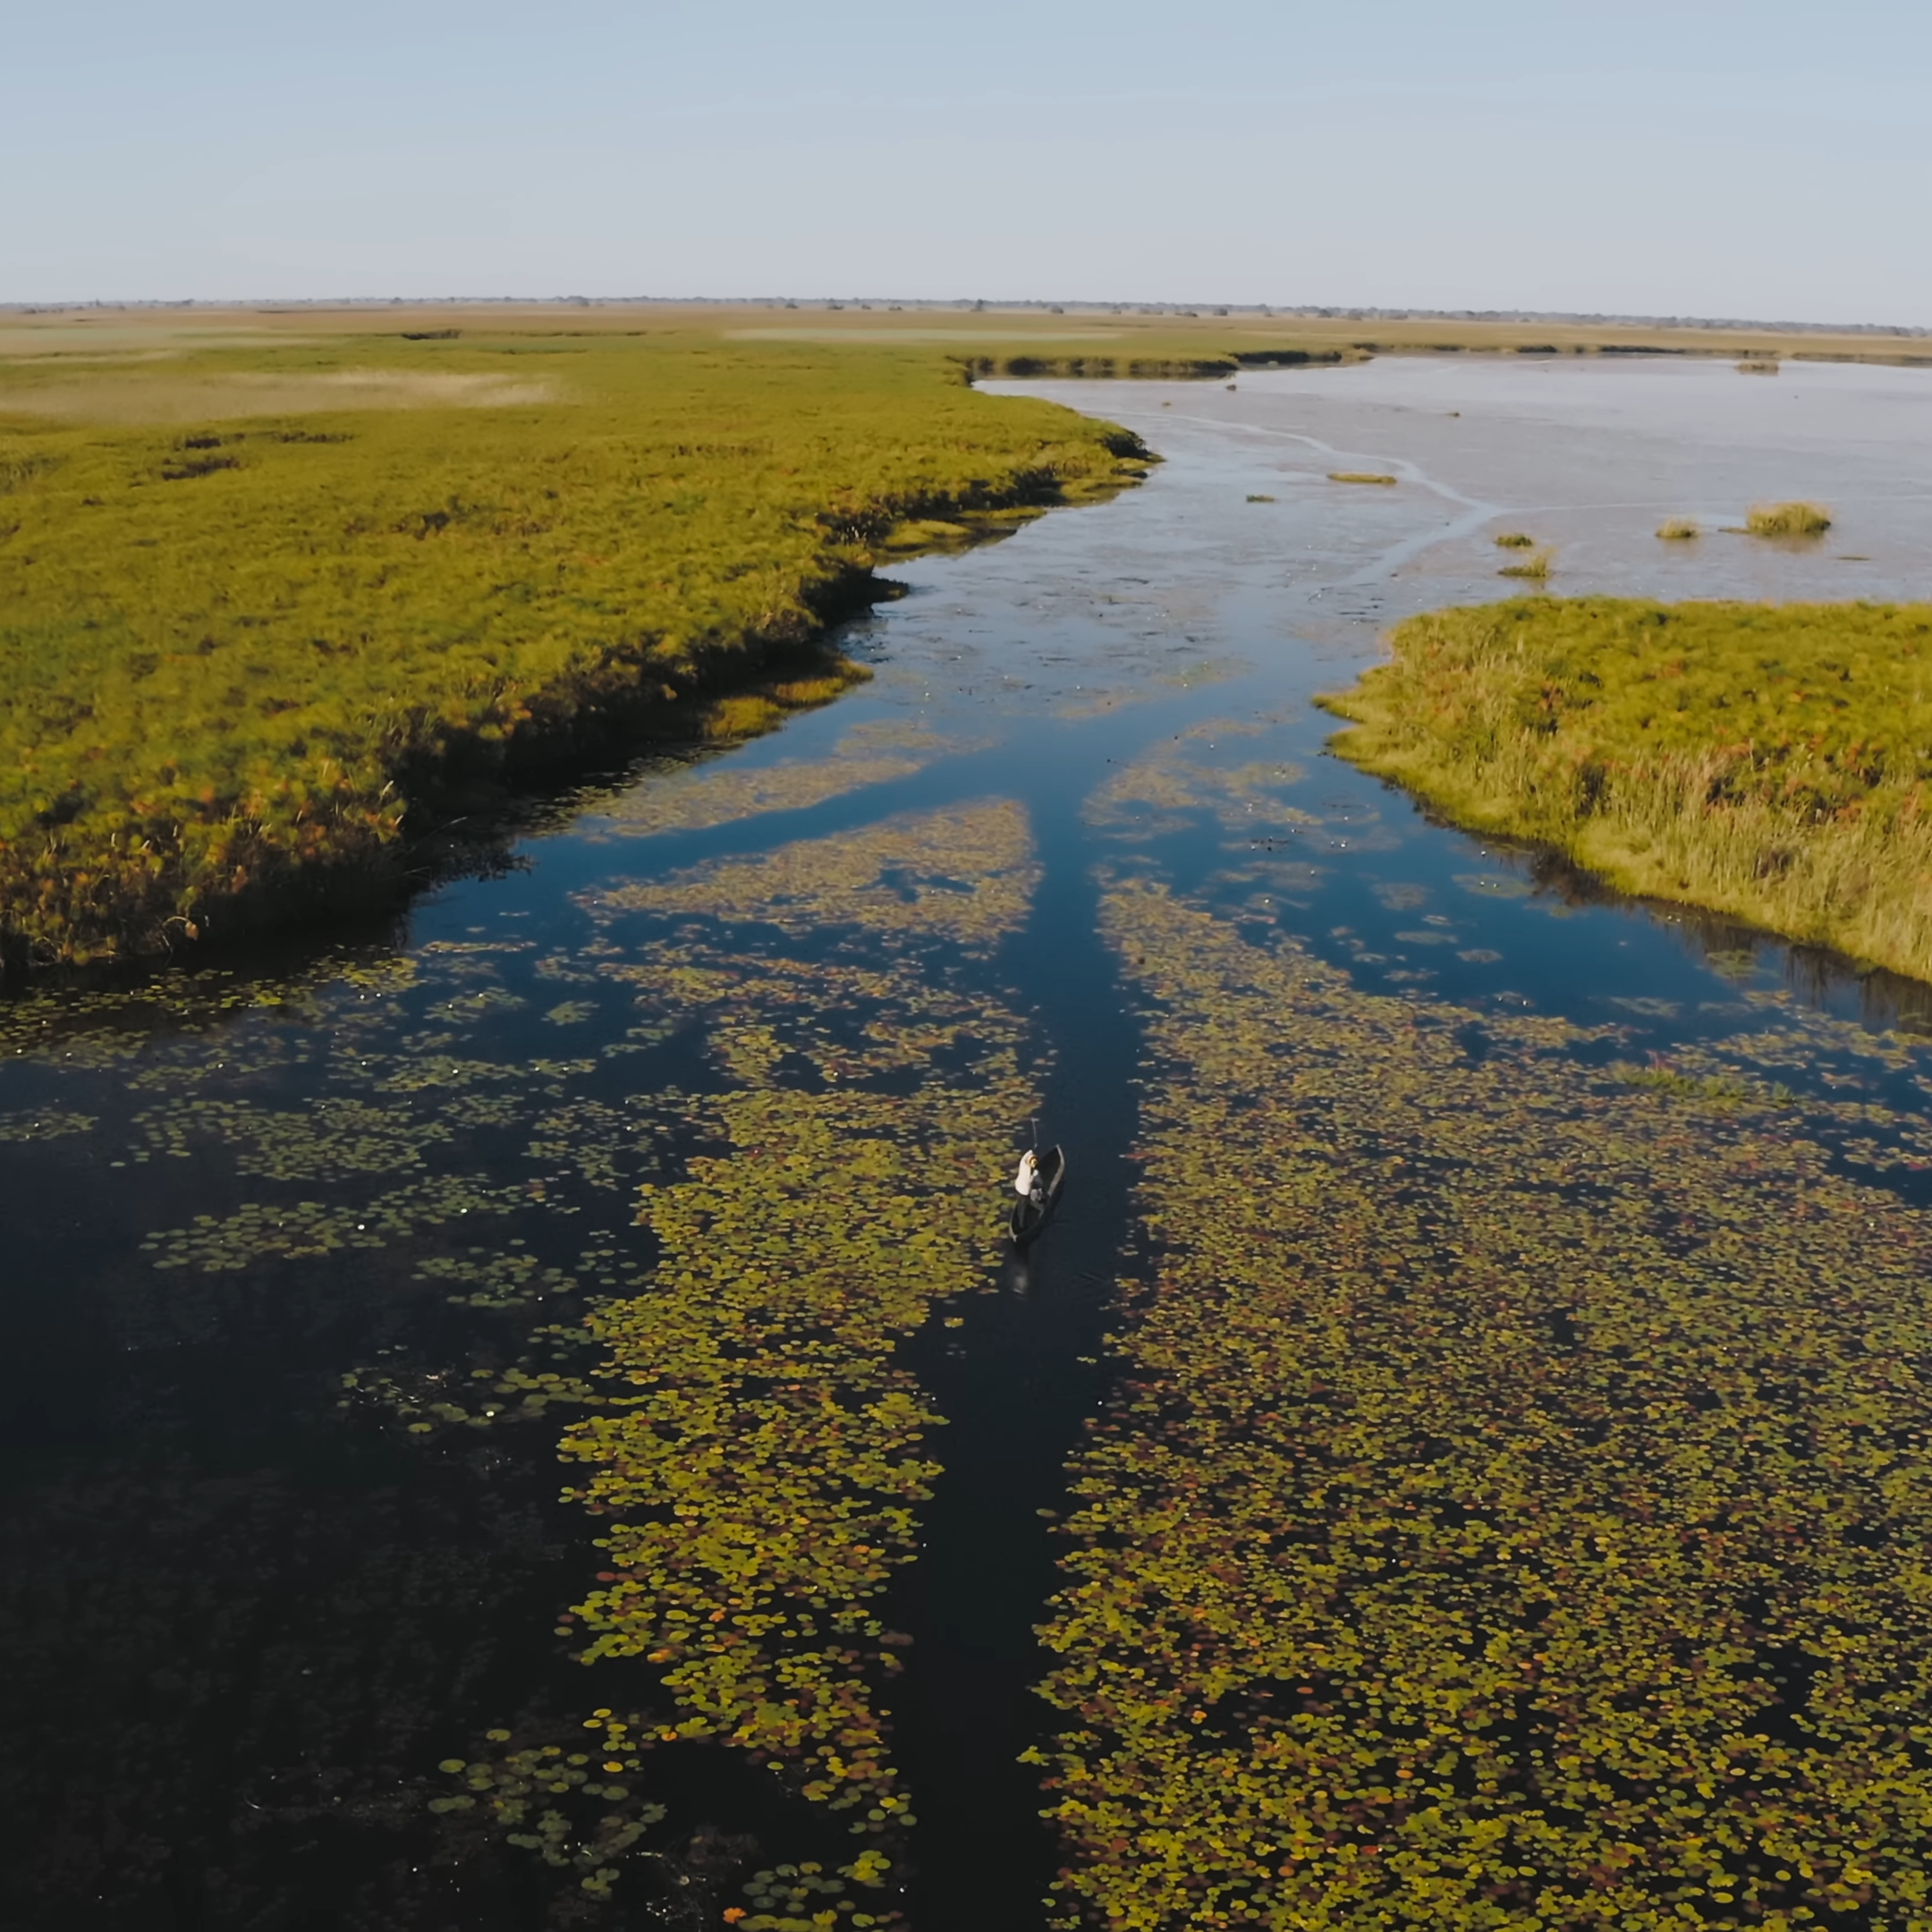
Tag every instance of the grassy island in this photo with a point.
(266, 587)
(1765, 761)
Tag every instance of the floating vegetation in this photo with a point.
(1190, 774)
(1515, 540)
(1678, 530)
(753, 1450)
(1709, 1089)
(1256, 497)
(1766, 761)
(1787, 520)
(963, 872)
(1494, 885)
(1361, 476)
(46, 1124)
(307, 1229)
(334, 1138)
(1536, 566)
(1204, 672)
(695, 798)
(1491, 1525)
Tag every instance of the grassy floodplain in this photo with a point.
(276, 581)
(262, 590)
(1765, 761)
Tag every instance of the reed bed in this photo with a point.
(1788, 520)
(238, 652)
(1768, 762)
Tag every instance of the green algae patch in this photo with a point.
(245, 648)
(1492, 1526)
(1764, 760)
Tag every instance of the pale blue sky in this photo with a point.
(1744, 157)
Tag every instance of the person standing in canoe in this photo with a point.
(1026, 1183)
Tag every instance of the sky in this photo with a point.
(1704, 157)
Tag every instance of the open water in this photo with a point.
(256, 1586)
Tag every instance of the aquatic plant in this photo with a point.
(1787, 520)
(963, 873)
(1760, 365)
(1537, 564)
(1765, 761)
(1489, 1525)
(752, 1449)
(1678, 530)
(1360, 476)
(236, 656)
(1515, 540)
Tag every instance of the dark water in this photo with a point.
(249, 1610)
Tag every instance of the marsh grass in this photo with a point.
(1787, 520)
(1765, 761)
(1724, 1092)
(1361, 476)
(259, 605)
(1256, 497)
(1536, 565)
(1678, 530)
(1514, 539)
(1760, 365)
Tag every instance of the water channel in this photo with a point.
(305, 1257)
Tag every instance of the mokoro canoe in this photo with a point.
(1027, 1218)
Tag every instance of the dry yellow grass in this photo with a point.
(1090, 336)
(109, 396)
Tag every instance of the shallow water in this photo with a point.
(259, 1585)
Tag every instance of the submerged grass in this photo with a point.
(257, 602)
(1765, 761)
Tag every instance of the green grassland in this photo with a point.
(1766, 761)
(269, 585)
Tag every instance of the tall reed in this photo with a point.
(1788, 520)
(1766, 762)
